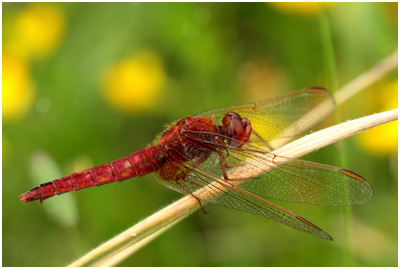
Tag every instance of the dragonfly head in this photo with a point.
(238, 129)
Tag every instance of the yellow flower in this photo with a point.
(303, 8)
(135, 83)
(383, 140)
(17, 88)
(37, 30)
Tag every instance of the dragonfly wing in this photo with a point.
(301, 181)
(276, 120)
(271, 176)
(209, 188)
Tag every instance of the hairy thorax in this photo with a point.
(188, 138)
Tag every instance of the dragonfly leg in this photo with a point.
(222, 159)
(223, 164)
(182, 176)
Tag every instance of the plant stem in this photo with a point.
(124, 244)
(348, 252)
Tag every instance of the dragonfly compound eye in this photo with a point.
(237, 128)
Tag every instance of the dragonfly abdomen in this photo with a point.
(139, 163)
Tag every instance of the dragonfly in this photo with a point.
(225, 156)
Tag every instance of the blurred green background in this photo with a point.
(87, 83)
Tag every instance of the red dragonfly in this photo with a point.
(224, 156)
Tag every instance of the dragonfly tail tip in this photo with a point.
(24, 197)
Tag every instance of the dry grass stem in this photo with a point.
(367, 78)
(124, 244)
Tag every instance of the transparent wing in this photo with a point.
(208, 187)
(278, 119)
(299, 181)
(271, 176)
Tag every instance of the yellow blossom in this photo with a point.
(135, 83)
(17, 88)
(303, 8)
(37, 30)
(383, 140)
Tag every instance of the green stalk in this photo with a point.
(348, 253)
